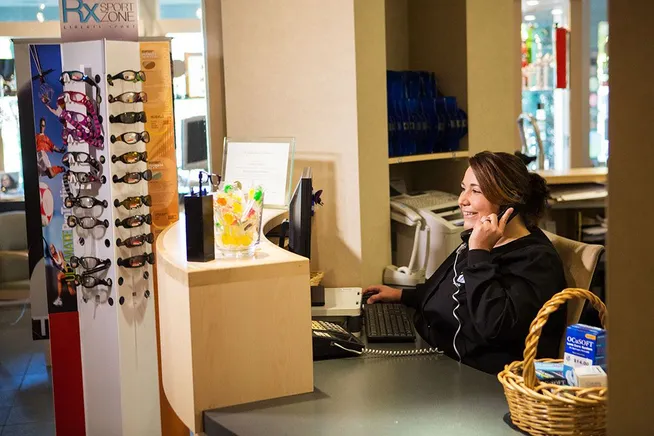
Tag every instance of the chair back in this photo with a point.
(13, 231)
(579, 263)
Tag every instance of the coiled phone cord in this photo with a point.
(391, 353)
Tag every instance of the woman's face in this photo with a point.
(472, 202)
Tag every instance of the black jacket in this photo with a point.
(499, 295)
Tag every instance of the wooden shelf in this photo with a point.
(431, 156)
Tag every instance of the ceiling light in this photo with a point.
(198, 13)
(557, 11)
(42, 7)
(39, 17)
(532, 2)
(530, 17)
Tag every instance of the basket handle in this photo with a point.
(531, 343)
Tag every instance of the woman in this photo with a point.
(478, 305)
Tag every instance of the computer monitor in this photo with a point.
(194, 143)
(299, 216)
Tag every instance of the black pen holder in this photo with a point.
(199, 228)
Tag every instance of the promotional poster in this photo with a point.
(58, 244)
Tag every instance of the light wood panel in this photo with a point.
(630, 242)
(493, 74)
(232, 330)
(215, 79)
(375, 219)
(579, 87)
(575, 175)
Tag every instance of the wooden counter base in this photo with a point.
(232, 330)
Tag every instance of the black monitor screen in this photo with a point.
(196, 135)
(299, 216)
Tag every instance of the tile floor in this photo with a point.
(25, 382)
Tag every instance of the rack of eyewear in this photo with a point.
(106, 189)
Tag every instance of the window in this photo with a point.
(599, 83)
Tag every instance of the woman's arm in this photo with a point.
(502, 306)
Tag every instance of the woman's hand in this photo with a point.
(383, 293)
(488, 230)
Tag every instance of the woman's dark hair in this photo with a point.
(505, 180)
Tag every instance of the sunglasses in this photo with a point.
(131, 157)
(81, 135)
(129, 97)
(134, 221)
(127, 75)
(89, 263)
(131, 178)
(89, 281)
(84, 202)
(136, 261)
(134, 202)
(135, 241)
(77, 76)
(129, 118)
(131, 137)
(80, 120)
(80, 157)
(76, 97)
(80, 177)
(86, 222)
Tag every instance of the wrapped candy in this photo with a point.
(237, 214)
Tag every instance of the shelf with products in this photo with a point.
(432, 156)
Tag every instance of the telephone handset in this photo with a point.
(465, 235)
(333, 341)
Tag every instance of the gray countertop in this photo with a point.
(420, 395)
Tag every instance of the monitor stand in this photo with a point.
(317, 296)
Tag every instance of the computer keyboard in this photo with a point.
(388, 323)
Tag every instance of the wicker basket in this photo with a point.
(547, 409)
(316, 277)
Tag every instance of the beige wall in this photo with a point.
(214, 67)
(579, 87)
(291, 70)
(493, 56)
(630, 242)
(397, 34)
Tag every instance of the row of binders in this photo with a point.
(420, 119)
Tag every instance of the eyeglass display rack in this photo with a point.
(91, 297)
(117, 323)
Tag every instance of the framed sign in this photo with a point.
(262, 161)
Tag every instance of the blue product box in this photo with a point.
(584, 346)
(550, 372)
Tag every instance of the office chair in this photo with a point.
(579, 262)
(14, 265)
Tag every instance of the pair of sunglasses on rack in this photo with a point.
(136, 261)
(134, 221)
(131, 137)
(78, 76)
(131, 178)
(89, 263)
(80, 177)
(131, 157)
(82, 158)
(86, 222)
(134, 202)
(129, 97)
(78, 119)
(75, 97)
(127, 76)
(89, 281)
(129, 118)
(82, 135)
(85, 202)
(135, 241)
